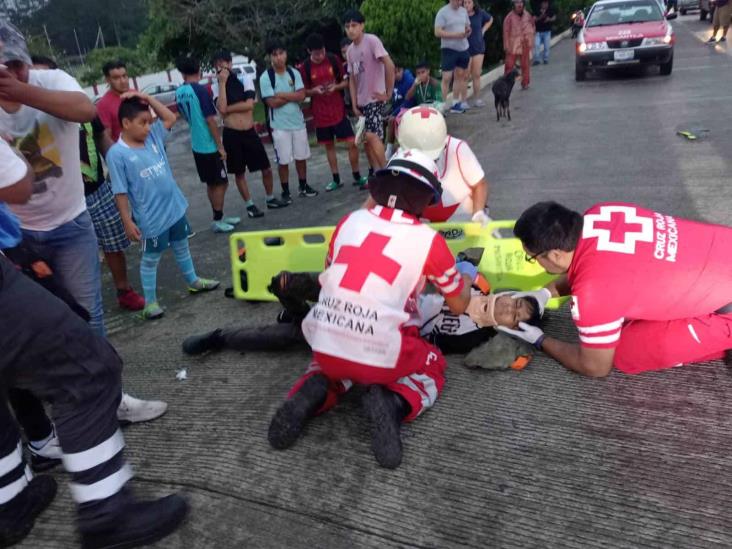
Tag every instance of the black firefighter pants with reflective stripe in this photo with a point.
(50, 351)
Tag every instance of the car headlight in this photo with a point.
(596, 46)
(658, 40)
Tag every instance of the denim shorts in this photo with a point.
(454, 58)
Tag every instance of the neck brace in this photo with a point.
(480, 310)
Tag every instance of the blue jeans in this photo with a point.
(545, 39)
(72, 252)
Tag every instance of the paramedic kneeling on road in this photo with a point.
(649, 290)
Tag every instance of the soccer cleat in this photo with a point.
(153, 311)
(137, 524)
(197, 344)
(131, 300)
(307, 191)
(457, 108)
(135, 410)
(332, 186)
(286, 197)
(232, 220)
(253, 211)
(203, 285)
(221, 227)
(385, 410)
(18, 515)
(362, 183)
(275, 203)
(290, 418)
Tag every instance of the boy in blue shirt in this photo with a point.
(403, 80)
(197, 107)
(141, 178)
(282, 91)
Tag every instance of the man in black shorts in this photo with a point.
(244, 149)
(322, 74)
(196, 106)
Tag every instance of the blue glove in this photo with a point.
(467, 268)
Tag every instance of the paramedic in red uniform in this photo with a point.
(649, 290)
(365, 327)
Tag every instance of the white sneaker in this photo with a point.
(465, 105)
(134, 410)
(46, 455)
(479, 103)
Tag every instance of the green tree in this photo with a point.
(406, 27)
(97, 58)
(243, 26)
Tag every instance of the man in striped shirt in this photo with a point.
(649, 290)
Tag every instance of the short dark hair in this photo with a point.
(314, 42)
(187, 65)
(535, 319)
(109, 66)
(43, 60)
(549, 226)
(274, 45)
(221, 55)
(131, 108)
(345, 41)
(423, 64)
(353, 15)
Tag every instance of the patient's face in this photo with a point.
(509, 312)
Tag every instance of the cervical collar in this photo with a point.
(480, 310)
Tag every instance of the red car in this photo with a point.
(619, 33)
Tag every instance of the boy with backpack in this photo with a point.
(322, 74)
(282, 90)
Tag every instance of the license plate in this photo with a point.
(624, 55)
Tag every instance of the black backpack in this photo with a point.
(307, 65)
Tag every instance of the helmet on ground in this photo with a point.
(409, 182)
(422, 128)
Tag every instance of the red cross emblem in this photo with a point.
(366, 259)
(407, 154)
(618, 229)
(425, 112)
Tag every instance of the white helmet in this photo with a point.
(422, 128)
(409, 182)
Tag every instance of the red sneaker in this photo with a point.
(131, 300)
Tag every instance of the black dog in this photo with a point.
(502, 92)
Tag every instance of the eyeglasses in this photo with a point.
(532, 258)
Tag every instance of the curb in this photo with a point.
(496, 73)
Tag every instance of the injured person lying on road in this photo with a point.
(449, 332)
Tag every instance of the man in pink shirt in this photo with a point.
(371, 81)
(115, 73)
(518, 40)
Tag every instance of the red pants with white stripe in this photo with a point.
(418, 376)
(653, 345)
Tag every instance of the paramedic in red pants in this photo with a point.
(365, 327)
(649, 290)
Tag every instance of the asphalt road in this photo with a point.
(540, 458)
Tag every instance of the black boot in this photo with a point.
(197, 344)
(137, 524)
(18, 515)
(290, 418)
(385, 410)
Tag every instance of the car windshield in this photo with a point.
(638, 11)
